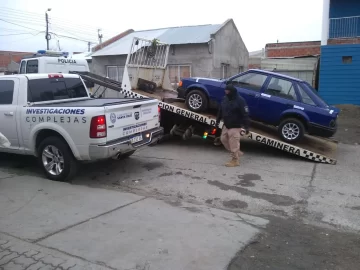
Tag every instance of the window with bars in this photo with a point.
(177, 72)
(115, 72)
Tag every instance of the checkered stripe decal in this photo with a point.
(316, 157)
(131, 94)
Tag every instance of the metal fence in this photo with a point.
(148, 53)
(345, 27)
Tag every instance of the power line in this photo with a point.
(36, 16)
(43, 31)
(16, 34)
(64, 23)
(85, 35)
(18, 25)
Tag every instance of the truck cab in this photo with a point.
(45, 61)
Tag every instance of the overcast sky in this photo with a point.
(258, 21)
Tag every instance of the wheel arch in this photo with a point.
(197, 87)
(304, 120)
(40, 134)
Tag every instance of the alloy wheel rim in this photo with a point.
(53, 160)
(195, 101)
(290, 131)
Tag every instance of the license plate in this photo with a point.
(136, 139)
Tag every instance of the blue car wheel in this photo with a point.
(196, 101)
(291, 130)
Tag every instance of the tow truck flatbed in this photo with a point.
(178, 120)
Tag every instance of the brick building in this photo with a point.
(9, 60)
(292, 49)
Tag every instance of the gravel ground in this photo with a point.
(288, 244)
(348, 124)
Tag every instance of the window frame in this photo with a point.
(300, 88)
(27, 63)
(117, 72)
(178, 66)
(251, 73)
(13, 91)
(294, 86)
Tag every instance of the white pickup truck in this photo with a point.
(52, 117)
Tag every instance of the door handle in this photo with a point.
(9, 113)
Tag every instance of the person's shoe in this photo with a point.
(217, 141)
(233, 163)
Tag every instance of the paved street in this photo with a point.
(174, 206)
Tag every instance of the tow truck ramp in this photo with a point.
(153, 75)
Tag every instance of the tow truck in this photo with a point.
(146, 75)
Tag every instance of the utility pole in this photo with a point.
(89, 46)
(100, 37)
(47, 35)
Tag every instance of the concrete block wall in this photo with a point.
(195, 55)
(99, 63)
(229, 48)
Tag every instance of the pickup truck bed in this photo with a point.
(93, 102)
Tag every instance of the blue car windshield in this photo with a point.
(319, 99)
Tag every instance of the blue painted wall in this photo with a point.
(339, 82)
(344, 8)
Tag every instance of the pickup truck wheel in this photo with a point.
(196, 101)
(56, 159)
(291, 130)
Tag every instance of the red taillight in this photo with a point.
(159, 113)
(213, 131)
(56, 76)
(98, 127)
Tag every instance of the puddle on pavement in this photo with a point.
(235, 204)
(246, 180)
(281, 200)
(180, 173)
(152, 165)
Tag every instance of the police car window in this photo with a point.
(55, 89)
(22, 67)
(32, 66)
(6, 92)
(251, 81)
(281, 88)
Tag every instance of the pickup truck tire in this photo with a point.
(291, 130)
(56, 150)
(196, 101)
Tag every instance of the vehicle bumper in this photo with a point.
(181, 92)
(124, 145)
(321, 131)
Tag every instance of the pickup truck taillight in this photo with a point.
(98, 127)
(159, 113)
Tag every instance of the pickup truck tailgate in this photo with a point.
(130, 119)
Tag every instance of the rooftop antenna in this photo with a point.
(100, 36)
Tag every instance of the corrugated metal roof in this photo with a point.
(172, 35)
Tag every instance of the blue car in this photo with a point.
(288, 103)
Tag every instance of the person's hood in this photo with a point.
(233, 92)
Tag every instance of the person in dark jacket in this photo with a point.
(235, 114)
